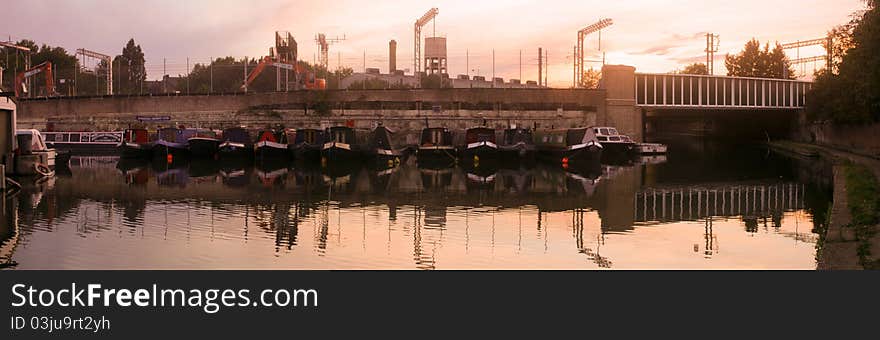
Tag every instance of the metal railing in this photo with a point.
(701, 91)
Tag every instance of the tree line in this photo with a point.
(848, 90)
(70, 76)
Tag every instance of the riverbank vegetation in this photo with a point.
(846, 91)
(863, 199)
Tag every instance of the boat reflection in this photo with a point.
(438, 209)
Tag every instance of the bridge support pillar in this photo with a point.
(621, 112)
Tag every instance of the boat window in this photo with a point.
(602, 138)
(546, 139)
(65, 137)
(603, 131)
(596, 131)
(558, 139)
(50, 137)
(74, 137)
(612, 131)
(436, 137)
(614, 138)
(339, 136)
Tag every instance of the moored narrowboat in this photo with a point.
(271, 146)
(135, 144)
(171, 143)
(436, 147)
(568, 146)
(381, 149)
(307, 144)
(517, 144)
(480, 144)
(342, 144)
(235, 143)
(204, 144)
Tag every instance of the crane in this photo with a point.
(284, 56)
(417, 54)
(45, 67)
(311, 82)
(324, 45)
(104, 57)
(27, 54)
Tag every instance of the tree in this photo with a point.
(696, 68)
(846, 91)
(756, 62)
(590, 79)
(131, 71)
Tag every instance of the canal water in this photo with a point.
(704, 206)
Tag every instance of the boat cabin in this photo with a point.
(480, 134)
(204, 133)
(169, 135)
(342, 134)
(437, 136)
(236, 135)
(29, 141)
(137, 136)
(609, 135)
(273, 136)
(517, 135)
(309, 136)
(381, 138)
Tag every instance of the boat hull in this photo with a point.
(162, 149)
(339, 152)
(134, 150)
(306, 152)
(517, 152)
(203, 147)
(384, 158)
(235, 151)
(266, 151)
(480, 150)
(579, 155)
(433, 156)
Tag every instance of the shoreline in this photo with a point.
(843, 245)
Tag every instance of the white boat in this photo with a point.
(33, 156)
(651, 148)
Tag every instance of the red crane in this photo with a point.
(45, 67)
(311, 82)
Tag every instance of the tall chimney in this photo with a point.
(392, 56)
(540, 66)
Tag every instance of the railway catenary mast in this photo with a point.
(107, 59)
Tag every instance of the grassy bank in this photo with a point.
(863, 198)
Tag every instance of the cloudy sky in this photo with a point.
(654, 36)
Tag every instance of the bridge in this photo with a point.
(684, 91)
(624, 100)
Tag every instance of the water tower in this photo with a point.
(435, 55)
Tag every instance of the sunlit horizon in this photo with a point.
(653, 36)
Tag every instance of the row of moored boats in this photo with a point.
(437, 145)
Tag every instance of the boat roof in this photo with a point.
(19, 132)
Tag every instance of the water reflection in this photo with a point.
(210, 215)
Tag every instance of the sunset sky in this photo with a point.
(654, 36)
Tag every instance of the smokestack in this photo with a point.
(540, 66)
(392, 56)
